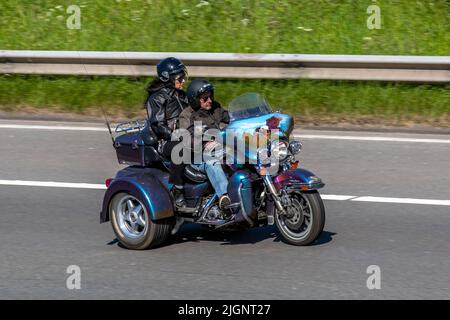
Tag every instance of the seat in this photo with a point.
(148, 135)
(194, 175)
(191, 173)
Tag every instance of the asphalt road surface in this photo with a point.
(379, 213)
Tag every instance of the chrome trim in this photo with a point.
(280, 142)
(131, 126)
(295, 146)
(311, 186)
(273, 191)
(205, 208)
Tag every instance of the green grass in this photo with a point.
(256, 26)
(289, 26)
(312, 100)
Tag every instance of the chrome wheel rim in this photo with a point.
(131, 217)
(298, 221)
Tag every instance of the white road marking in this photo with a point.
(296, 134)
(52, 184)
(404, 200)
(331, 197)
(368, 138)
(336, 197)
(39, 127)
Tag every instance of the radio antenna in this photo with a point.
(107, 124)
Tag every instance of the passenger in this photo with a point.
(166, 100)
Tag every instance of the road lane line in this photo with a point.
(403, 200)
(332, 197)
(375, 139)
(296, 134)
(39, 127)
(52, 184)
(336, 197)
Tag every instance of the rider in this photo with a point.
(166, 100)
(209, 112)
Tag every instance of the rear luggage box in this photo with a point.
(136, 146)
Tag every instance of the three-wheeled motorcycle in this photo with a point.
(139, 203)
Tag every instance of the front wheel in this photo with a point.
(132, 224)
(304, 219)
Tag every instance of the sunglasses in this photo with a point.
(181, 78)
(204, 99)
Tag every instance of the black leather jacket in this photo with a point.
(164, 106)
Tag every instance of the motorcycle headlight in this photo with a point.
(279, 149)
(295, 147)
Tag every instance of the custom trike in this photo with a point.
(267, 187)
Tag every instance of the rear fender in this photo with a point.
(148, 189)
(298, 178)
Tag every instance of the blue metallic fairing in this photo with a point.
(149, 185)
(240, 191)
(298, 178)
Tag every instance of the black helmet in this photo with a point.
(169, 67)
(195, 89)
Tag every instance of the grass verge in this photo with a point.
(311, 101)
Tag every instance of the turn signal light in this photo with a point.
(262, 171)
(294, 165)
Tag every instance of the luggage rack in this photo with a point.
(131, 126)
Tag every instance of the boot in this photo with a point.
(178, 195)
(224, 202)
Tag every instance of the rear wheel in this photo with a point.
(304, 219)
(132, 224)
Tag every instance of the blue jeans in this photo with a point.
(214, 171)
